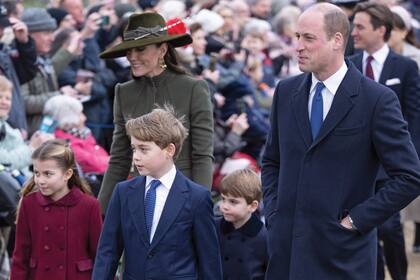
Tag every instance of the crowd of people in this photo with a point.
(226, 91)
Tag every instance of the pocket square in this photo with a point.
(394, 81)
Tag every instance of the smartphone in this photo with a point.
(48, 124)
(213, 61)
(104, 21)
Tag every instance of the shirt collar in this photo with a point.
(166, 180)
(379, 56)
(334, 81)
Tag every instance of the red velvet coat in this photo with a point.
(56, 240)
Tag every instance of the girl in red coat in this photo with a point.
(58, 223)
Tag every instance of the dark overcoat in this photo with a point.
(309, 186)
(56, 240)
(244, 250)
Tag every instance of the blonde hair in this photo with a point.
(5, 84)
(243, 183)
(62, 154)
(160, 126)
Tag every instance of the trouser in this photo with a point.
(393, 250)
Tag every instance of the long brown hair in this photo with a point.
(63, 155)
(171, 60)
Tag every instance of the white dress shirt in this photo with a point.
(162, 192)
(328, 93)
(377, 62)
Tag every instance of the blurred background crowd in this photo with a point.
(53, 83)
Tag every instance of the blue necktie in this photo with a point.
(149, 205)
(317, 111)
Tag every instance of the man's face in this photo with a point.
(262, 9)
(75, 8)
(364, 35)
(43, 41)
(314, 49)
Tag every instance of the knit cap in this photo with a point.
(58, 14)
(38, 19)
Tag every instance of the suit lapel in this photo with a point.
(174, 203)
(358, 61)
(300, 109)
(342, 103)
(136, 206)
(389, 66)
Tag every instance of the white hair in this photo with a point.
(257, 26)
(65, 110)
(172, 9)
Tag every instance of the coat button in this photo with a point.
(47, 267)
(240, 260)
(47, 209)
(61, 227)
(61, 267)
(62, 248)
(46, 248)
(150, 255)
(226, 258)
(46, 228)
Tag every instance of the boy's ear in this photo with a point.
(254, 206)
(170, 150)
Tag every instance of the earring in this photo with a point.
(162, 64)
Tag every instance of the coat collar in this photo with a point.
(174, 203)
(70, 199)
(342, 104)
(251, 228)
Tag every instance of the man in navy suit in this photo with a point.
(161, 220)
(372, 29)
(331, 130)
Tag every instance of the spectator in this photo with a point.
(37, 91)
(68, 113)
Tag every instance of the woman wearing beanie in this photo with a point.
(62, 18)
(158, 79)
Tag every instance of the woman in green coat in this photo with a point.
(158, 80)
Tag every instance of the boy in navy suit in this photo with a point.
(161, 220)
(243, 237)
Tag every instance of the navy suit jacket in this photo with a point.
(309, 186)
(401, 74)
(185, 244)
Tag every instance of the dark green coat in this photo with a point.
(190, 98)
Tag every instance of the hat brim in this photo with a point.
(122, 48)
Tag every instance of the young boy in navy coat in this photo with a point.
(161, 220)
(243, 237)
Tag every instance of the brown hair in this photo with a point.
(62, 154)
(172, 61)
(160, 126)
(5, 84)
(398, 23)
(380, 15)
(242, 183)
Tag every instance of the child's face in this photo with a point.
(50, 178)
(236, 210)
(5, 103)
(150, 159)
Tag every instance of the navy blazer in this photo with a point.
(309, 186)
(185, 244)
(401, 74)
